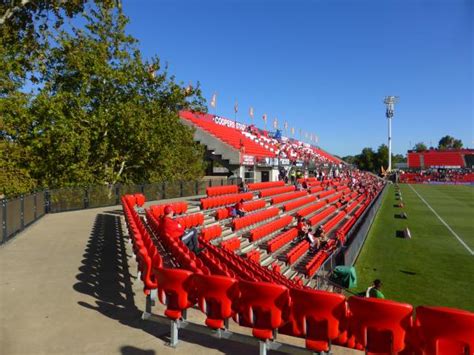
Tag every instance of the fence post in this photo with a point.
(22, 212)
(4, 221)
(222, 182)
(181, 189)
(86, 198)
(47, 201)
(142, 189)
(210, 183)
(35, 207)
(117, 195)
(197, 187)
(163, 186)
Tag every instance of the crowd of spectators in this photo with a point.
(438, 175)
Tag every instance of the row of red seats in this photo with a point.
(247, 269)
(249, 206)
(334, 197)
(211, 232)
(231, 244)
(316, 189)
(322, 215)
(329, 225)
(282, 239)
(342, 231)
(269, 228)
(264, 185)
(295, 204)
(354, 204)
(178, 208)
(191, 220)
(231, 136)
(144, 249)
(326, 193)
(310, 209)
(247, 220)
(276, 191)
(288, 197)
(320, 317)
(212, 202)
(310, 179)
(297, 251)
(315, 263)
(221, 190)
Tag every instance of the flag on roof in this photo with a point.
(214, 100)
(293, 130)
(264, 118)
(251, 112)
(275, 123)
(236, 107)
(286, 126)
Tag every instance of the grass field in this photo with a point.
(432, 268)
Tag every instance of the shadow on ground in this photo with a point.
(104, 274)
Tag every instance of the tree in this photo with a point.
(420, 147)
(365, 160)
(350, 159)
(381, 159)
(101, 113)
(448, 142)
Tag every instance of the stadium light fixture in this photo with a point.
(390, 102)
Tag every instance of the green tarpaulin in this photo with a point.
(344, 276)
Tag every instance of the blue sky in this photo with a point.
(324, 65)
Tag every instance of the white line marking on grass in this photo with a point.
(442, 221)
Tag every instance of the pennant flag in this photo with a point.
(264, 118)
(293, 131)
(286, 126)
(275, 123)
(251, 112)
(316, 139)
(236, 107)
(301, 133)
(214, 100)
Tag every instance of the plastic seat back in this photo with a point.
(318, 316)
(261, 306)
(215, 295)
(443, 331)
(381, 326)
(173, 290)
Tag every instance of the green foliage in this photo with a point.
(99, 114)
(448, 142)
(420, 147)
(370, 160)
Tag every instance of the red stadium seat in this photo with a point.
(444, 331)
(173, 290)
(261, 306)
(215, 295)
(318, 316)
(381, 326)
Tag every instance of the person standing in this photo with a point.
(374, 290)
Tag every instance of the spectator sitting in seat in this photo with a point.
(374, 290)
(304, 185)
(174, 230)
(298, 186)
(321, 238)
(239, 208)
(243, 187)
(304, 230)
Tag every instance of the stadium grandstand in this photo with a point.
(447, 159)
(250, 153)
(134, 221)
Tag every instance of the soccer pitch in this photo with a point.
(436, 266)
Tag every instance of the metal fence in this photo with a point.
(17, 214)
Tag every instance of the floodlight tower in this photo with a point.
(390, 102)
